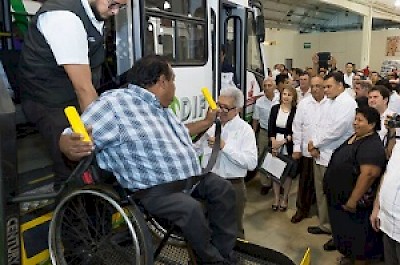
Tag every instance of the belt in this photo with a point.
(235, 180)
(168, 188)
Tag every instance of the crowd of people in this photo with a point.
(341, 135)
(332, 123)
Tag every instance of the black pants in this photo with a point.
(213, 238)
(306, 191)
(50, 123)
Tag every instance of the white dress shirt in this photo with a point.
(239, 153)
(348, 79)
(394, 102)
(262, 109)
(383, 131)
(301, 94)
(66, 35)
(335, 127)
(306, 123)
(389, 197)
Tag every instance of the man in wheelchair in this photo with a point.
(150, 152)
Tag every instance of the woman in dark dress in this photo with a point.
(350, 184)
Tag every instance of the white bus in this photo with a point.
(188, 32)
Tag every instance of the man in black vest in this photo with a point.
(60, 65)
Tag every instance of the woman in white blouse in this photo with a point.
(280, 133)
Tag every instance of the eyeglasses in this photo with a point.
(115, 5)
(225, 109)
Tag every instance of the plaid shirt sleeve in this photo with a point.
(103, 121)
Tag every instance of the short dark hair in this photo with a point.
(298, 71)
(385, 83)
(147, 71)
(338, 76)
(304, 73)
(372, 115)
(375, 72)
(384, 91)
(281, 78)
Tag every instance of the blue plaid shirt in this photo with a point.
(141, 142)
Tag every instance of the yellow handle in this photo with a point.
(76, 122)
(209, 98)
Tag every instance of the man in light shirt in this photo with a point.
(60, 65)
(375, 77)
(305, 125)
(238, 152)
(261, 114)
(378, 98)
(386, 213)
(348, 75)
(394, 101)
(304, 89)
(335, 127)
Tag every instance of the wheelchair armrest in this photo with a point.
(82, 166)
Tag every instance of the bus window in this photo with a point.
(179, 28)
(167, 49)
(189, 8)
(149, 45)
(254, 63)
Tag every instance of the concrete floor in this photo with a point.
(274, 229)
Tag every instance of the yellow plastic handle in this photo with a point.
(76, 122)
(209, 98)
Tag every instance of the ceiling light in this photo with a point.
(397, 3)
(167, 5)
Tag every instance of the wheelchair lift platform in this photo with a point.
(246, 253)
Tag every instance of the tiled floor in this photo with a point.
(274, 229)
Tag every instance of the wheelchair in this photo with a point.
(98, 222)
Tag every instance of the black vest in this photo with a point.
(40, 78)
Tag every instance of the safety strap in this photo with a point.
(216, 147)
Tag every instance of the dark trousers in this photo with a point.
(50, 123)
(306, 191)
(391, 250)
(213, 238)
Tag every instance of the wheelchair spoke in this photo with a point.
(73, 221)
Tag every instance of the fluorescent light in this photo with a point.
(167, 5)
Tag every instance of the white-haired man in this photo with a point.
(261, 113)
(238, 147)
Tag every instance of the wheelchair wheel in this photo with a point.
(90, 227)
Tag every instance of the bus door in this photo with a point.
(232, 36)
(241, 33)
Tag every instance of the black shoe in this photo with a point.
(330, 245)
(317, 231)
(265, 189)
(298, 217)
